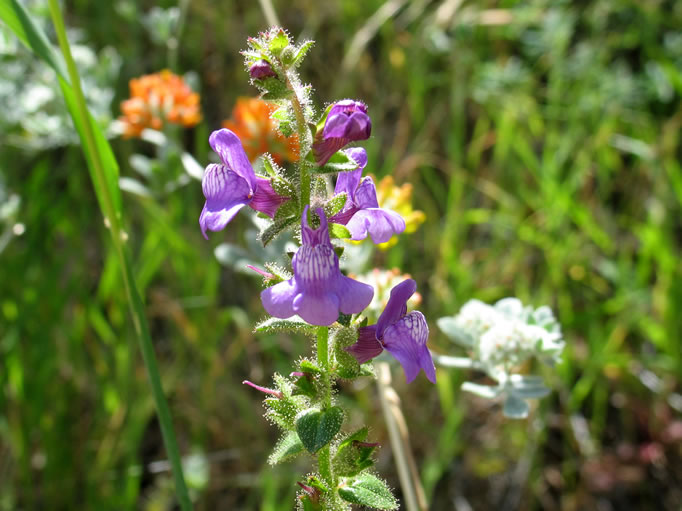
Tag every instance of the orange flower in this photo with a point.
(158, 98)
(252, 122)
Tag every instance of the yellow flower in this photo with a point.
(158, 98)
(398, 199)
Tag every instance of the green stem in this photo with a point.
(324, 454)
(134, 299)
(304, 141)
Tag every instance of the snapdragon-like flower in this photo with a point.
(361, 214)
(403, 335)
(230, 186)
(318, 290)
(347, 121)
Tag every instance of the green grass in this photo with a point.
(545, 152)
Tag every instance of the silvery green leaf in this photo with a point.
(128, 184)
(141, 164)
(191, 166)
(485, 391)
(234, 257)
(515, 407)
(527, 387)
(456, 333)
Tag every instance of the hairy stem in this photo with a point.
(324, 454)
(304, 139)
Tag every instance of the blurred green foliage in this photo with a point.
(543, 142)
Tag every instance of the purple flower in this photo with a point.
(402, 335)
(318, 291)
(346, 122)
(361, 213)
(230, 186)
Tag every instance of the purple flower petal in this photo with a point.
(359, 155)
(367, 347)
(265, 199)
(347, 121)
(278, 300)
(366, 194)
(406, 341)
(317, 309)
(231, 152)
(379, 223)
(226, 193)
(354, 296)
(396, 307)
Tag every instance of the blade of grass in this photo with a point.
(104, 173)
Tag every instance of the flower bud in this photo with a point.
(261, 69)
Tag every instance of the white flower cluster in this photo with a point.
(501, 337)
(506, 334)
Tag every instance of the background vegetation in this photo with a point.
(543, 142)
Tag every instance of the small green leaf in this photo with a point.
(301, 52)
(274, 325)
(339, 162)
(339, 231)
(279, 42)
(353, 456)
(308, 366)
(316, 428)
(339, 252)
(368, 490)
(288, 447)
(335, 204)
(275, 228)
(274, 89)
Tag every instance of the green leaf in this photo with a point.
(339, 231)
(279, 42)
(352, 457)
(308, 366)
(368, 490)
(316, 428)
(335, 204)
(339, 162)
(288, 447)
(301, 52)
(274, 89)
(274, 325)
(275, 228)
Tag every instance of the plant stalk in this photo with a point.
(324, 454)
(134, 299)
